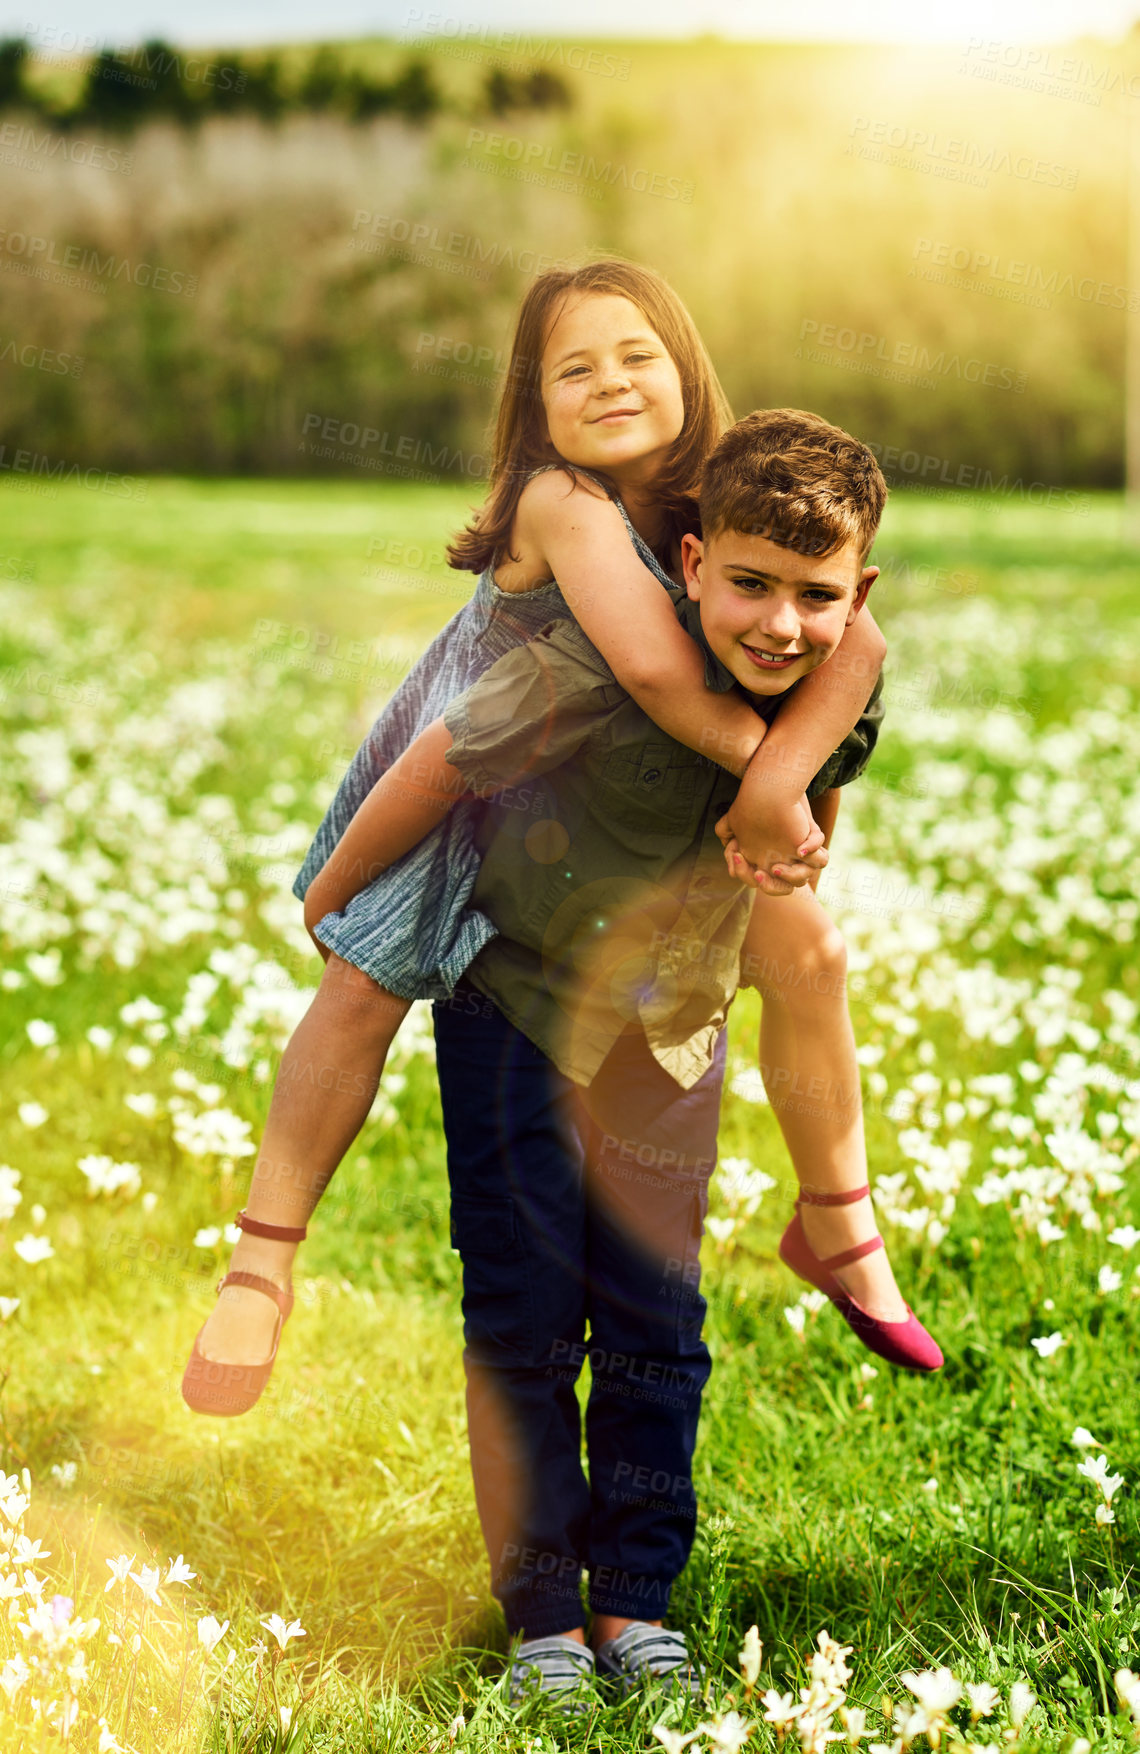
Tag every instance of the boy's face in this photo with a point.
(769, 614)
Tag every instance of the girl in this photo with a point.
(607, 376)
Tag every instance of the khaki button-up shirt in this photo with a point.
(600, 864)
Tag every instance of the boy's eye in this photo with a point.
(818, 595)
(750, 584)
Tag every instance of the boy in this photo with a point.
(580, 1061)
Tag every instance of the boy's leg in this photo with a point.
(795, 956)
(651, 1148)
(518, 1221)
(324, 1089)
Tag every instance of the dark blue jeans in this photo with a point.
(575, 1209)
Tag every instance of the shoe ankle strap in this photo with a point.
(846, 1256)
(274, 1232)
(809, 1197)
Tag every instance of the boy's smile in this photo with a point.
(771, 614)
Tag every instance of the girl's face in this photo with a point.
(611, 392)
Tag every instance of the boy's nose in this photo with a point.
(780, 622)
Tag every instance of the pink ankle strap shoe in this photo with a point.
(226, 1390)
(905, 1343)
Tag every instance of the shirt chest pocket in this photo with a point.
(653, 790)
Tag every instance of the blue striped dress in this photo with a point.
(413, 929)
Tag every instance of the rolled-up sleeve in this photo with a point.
(855, 751)
(532, 710)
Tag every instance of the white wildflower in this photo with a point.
(983, 1699)
(210, 1631)
(750, 1656)
(33, 1249)
(282, 1632)
(1022, 1699)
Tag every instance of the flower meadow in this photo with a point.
(883, 1562)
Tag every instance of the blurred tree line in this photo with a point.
(123, 89)
(932, 259)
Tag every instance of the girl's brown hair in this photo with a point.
(520, 443)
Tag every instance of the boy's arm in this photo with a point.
(403, 806)
(769, 816)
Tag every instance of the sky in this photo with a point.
(69, 25)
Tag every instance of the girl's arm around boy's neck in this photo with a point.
(628, 615)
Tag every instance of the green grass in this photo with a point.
(1005, 783)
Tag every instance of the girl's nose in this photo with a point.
(614, 378)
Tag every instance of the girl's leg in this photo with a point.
(795, 956)
(325, 1086)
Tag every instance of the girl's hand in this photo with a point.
(782, 878)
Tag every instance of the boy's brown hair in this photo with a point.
(521, 443)
(795, 479)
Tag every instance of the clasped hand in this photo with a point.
(782, 846)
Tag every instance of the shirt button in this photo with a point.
(651, 774)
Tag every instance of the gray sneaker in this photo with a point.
(644, 1653)
(558, 1668)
